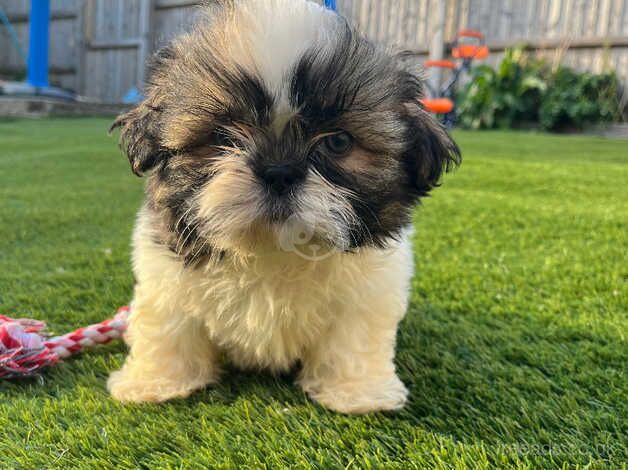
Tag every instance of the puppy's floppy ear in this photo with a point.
(140, 128)
(139, 137)
(431, 150)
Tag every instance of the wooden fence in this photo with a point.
(99, 47)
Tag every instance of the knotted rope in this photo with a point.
(25, 348)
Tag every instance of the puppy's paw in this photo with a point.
(358, 397)
(127, 388)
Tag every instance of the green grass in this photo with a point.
(514, 347)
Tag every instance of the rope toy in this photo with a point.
(25, 349)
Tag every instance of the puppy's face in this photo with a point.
(276, 116)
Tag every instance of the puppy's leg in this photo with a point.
(351, 368)
(170, 357)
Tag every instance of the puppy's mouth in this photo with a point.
(279, 208)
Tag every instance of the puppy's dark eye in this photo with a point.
(221, 138)
(338, 144)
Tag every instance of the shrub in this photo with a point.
(503, 97)
(524, 90)
(574, 99)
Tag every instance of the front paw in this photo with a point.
(358, 397)
(131, 388)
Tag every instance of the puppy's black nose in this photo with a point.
(281, 178)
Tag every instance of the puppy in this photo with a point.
(285, 155)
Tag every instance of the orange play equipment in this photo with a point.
(468, 46)
(438, 105)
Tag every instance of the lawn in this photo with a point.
(514, 347)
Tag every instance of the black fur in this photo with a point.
(141, 127)
(356, 78)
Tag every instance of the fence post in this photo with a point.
(37, 67)
(437, 45)
(146, 40)
(85, 19)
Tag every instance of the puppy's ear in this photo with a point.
(140, 128)
(431, 150)
(139, 137)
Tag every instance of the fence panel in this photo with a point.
(117, 42)
(99, 47)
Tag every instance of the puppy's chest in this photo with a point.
(262, 319)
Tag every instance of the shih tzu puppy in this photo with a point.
(285, 155)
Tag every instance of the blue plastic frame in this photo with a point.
(331, 4)
(37, 64)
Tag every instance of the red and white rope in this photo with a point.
(90, 336)
(24, 350)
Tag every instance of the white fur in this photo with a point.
(268, 38)
(275, 34)
(338, 315)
